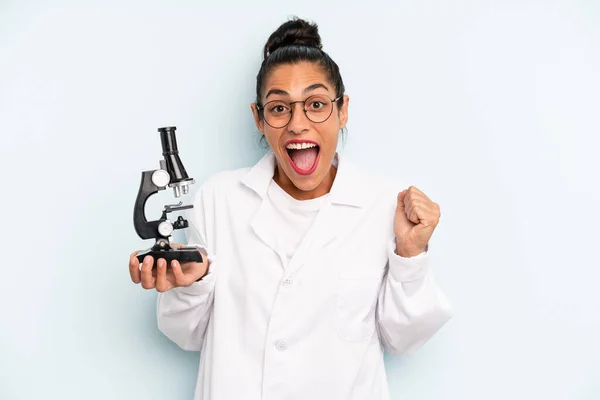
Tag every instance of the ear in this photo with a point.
(257, 120)
(343, 113)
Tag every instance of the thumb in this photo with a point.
(401, 217)
(402, 225)
(400, 206)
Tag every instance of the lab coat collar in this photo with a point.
(346, 188)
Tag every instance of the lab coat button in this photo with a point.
(287, 282)
(281, 345)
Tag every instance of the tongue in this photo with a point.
(304, 159)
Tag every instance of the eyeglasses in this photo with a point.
(278, 113)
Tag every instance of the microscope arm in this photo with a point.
(144, 228)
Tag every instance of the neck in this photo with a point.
(288, 186)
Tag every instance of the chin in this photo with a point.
(307, 184)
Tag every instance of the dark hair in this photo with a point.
(293, 42)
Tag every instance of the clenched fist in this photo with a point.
(416, 218)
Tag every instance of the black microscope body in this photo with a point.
(170, 174)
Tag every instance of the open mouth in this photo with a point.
(303, 156)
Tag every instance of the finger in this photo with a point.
(422, 204)
(148, 280)
(416, 203)
(401, 198)
(409, 206)
(416, 192)
(162, 284)
(411, 213)
(429, 211)
(181, 279)
(414, 215)
(134, 267)
(426, 212)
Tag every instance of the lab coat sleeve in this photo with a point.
(411, 307)
(183, 313)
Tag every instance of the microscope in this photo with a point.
(170, 174)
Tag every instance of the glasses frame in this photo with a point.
(261, 109)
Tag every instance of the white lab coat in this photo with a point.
(316, 328)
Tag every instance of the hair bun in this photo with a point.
(296, 31)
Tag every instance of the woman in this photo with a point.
(314, 267)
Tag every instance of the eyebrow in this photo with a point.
(310, 88)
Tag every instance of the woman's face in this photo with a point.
(304, 149)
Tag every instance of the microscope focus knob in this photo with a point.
(161, 178)
(165, 228)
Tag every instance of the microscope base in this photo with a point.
(185, 254)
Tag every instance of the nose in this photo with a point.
(299, 122)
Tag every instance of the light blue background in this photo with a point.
(489, 107)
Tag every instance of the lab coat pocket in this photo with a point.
(356, 303)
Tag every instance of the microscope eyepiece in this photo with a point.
(168, 140)
(179, 177)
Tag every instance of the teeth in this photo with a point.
(300, 146)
